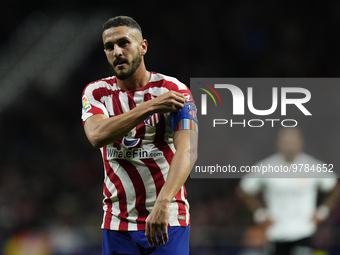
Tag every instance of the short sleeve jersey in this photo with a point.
(291, 202)
(136, 166)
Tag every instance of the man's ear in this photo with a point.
(144, 47)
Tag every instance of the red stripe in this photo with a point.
(100, 92)
(95, 110)
(140, 128)
(131, 102)
(158, 84)
(117, 107)
(138, 185)
(108, 202)
(155, 172)
(110, 81)
(159, 140)
(147, 97)
(123, 225)
(181, 208)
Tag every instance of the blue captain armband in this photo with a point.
(186, 118)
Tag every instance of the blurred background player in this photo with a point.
(289, 213)
(144, 124)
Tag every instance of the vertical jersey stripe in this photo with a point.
(140, 192)
(120, 194)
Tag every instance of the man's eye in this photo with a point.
(123, 43)
(109, 47)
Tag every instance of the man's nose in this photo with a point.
(117, 51)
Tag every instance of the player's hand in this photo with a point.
(168, 102)
(157, 224)
(316, 219)
(265, 224)
(321, 214)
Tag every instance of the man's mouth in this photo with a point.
(119, 63)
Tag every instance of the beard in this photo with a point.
(135, 63)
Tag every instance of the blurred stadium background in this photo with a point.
(51, 177)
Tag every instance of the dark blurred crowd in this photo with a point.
(51, 177)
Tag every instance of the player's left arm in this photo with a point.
(185, 127)
(185, 142)
(329, 202)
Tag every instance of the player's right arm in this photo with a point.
(247, 191)
(102, 130)
(250, 201)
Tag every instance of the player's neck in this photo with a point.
(290, 157)
(139, 79)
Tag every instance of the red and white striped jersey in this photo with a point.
(137, 165)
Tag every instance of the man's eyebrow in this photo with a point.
(108, 44)
(117, 41)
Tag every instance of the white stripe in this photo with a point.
(156, 91)
(130, 193)
(89, 94)
(153, 120)
(114, 198)
(124, 102)
(103, 84)
(172, 147)
(158, 77)
(186, 205)
(173, 221)
(107, 101)
(149, 184)
(138, 97)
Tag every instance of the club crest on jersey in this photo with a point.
(130, 142)
(192, 110)
(86, 104)
(153, 119)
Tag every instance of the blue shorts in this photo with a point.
(135, 243)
